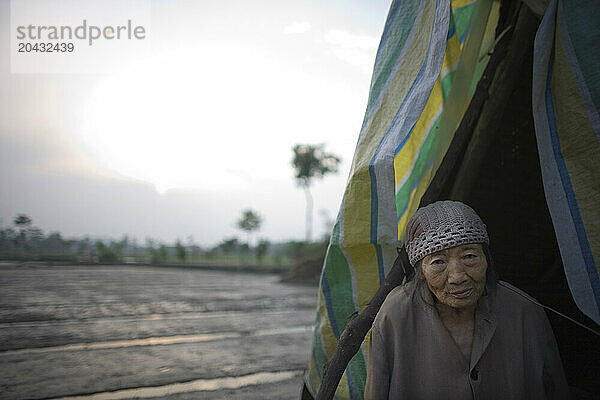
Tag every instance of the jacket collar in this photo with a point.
(485, 326)
(485, 323)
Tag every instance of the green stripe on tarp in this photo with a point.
(462, 16)
(320, 358)
(338, 296)
(358, 369)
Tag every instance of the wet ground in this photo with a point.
(121, 332)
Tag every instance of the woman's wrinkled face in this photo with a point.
(456, 276)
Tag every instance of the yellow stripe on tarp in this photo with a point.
(367, 341)
(367, 281)
(451, 56)
(578, 143)
(406, 157)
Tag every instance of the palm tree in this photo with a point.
(311, 161)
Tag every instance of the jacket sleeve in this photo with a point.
(555, 382)
(378, 373)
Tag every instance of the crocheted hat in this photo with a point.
(442, 225)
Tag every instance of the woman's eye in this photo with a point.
(437, 262)
(470, 256)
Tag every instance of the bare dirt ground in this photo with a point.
(120, 332)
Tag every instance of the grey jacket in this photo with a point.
(413, 356)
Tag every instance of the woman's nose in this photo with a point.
(456, 272)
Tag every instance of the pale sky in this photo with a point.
(176, 144)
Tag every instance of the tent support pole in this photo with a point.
(356, 329)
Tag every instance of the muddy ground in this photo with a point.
(118, 332)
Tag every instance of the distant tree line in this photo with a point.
(22, 240)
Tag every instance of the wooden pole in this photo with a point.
(357, 327)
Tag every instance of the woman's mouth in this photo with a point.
(460, 294)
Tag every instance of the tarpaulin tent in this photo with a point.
(430, 65)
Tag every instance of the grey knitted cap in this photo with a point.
(442, 225)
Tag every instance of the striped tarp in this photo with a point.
(566, 104)
(430, 58)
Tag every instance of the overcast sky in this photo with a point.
(179, 142)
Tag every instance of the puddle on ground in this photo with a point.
(165, 340)
(198, 385)
(150, 317)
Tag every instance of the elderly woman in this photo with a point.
(455, 331)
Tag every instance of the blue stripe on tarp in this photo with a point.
(374, 199)
(375, 220)
(403, 142)
(379, 253)
(452, 29)
(386, 30)
(415, 184)
(568, 190)
(328, 304)
(350, 384)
